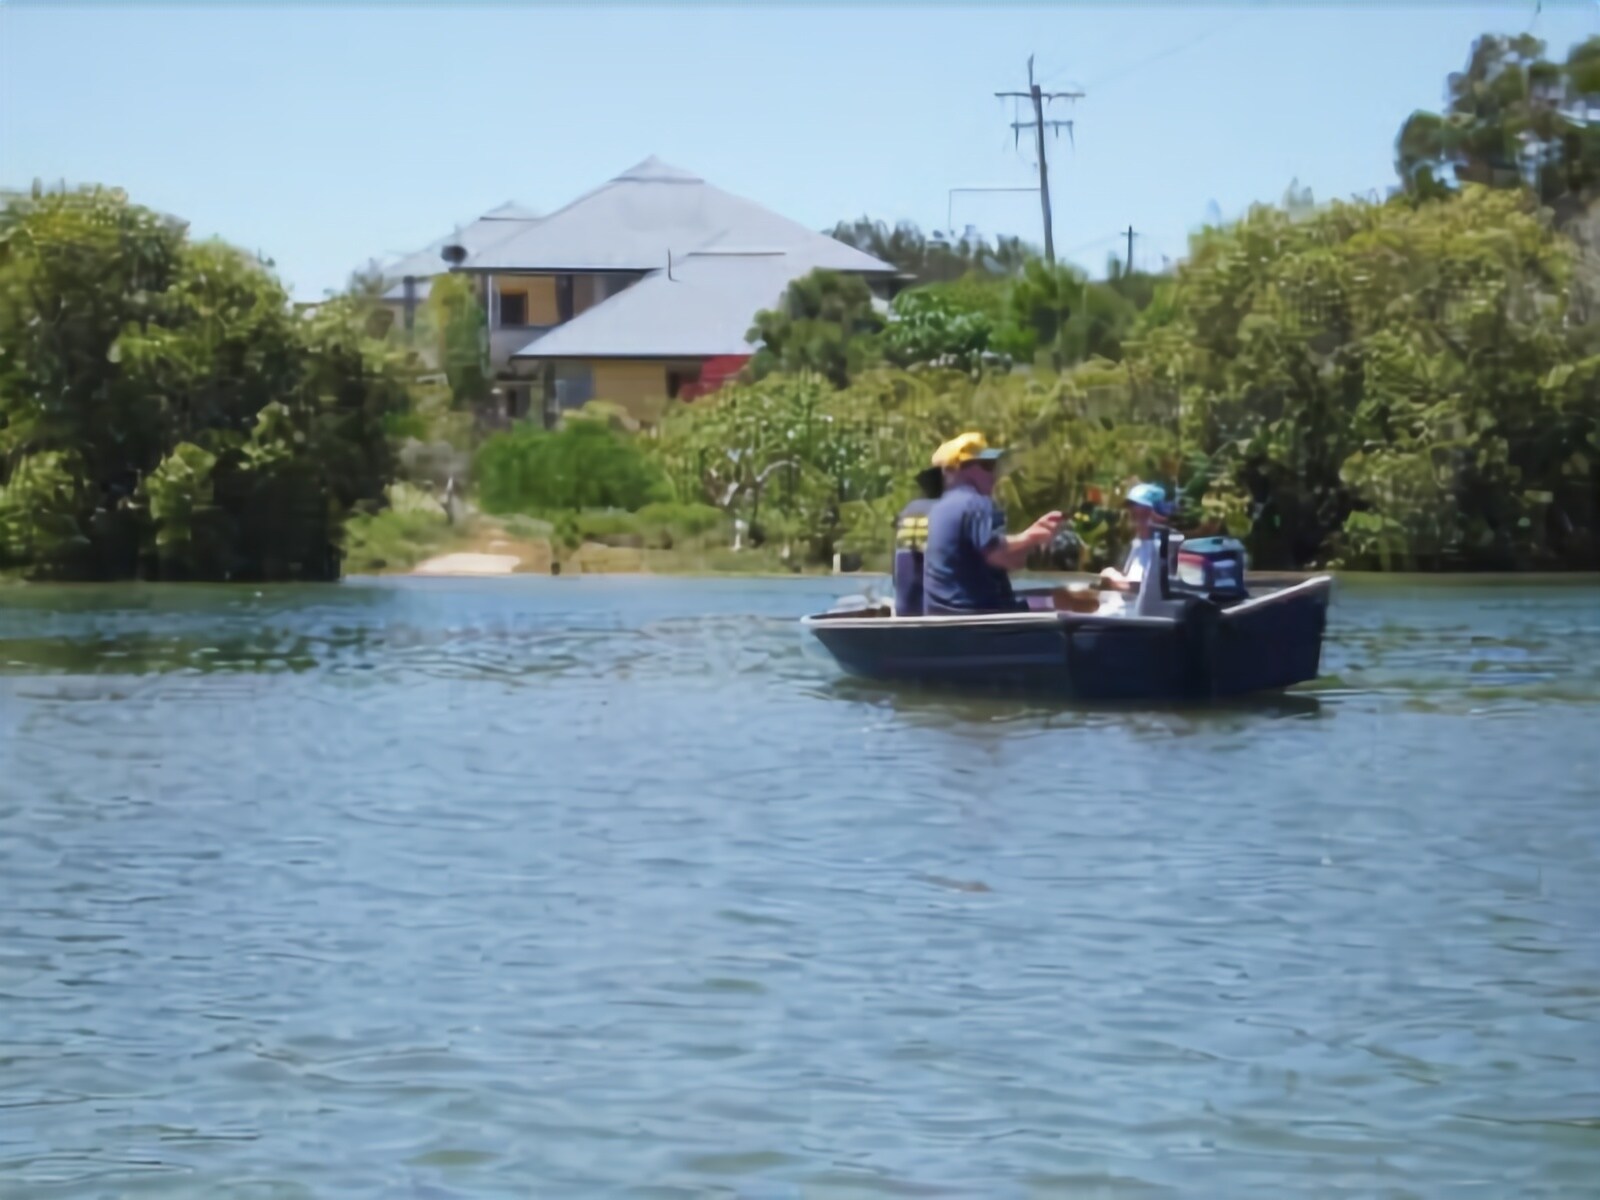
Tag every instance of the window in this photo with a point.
(677, 380)
(513, 309)
(574, 385)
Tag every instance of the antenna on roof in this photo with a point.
(669, 265)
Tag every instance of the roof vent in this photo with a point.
(455, 255)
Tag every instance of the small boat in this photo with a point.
(1192, 633)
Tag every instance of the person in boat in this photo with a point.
(969, 556)
(911, 542)
(1147, 504)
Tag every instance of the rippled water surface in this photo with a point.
(569, 888)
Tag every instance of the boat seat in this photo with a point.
(908, 601)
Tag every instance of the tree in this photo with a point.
(825, 323)
(936, 259)
(584, 464)
(931, 327)
(1512, 118)
(1070, 318)
(1389, 384)
(461, 332)
(162, 409)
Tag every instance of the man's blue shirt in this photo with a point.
(962, 528)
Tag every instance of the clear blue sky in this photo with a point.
(328, 136)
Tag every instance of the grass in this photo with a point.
(393, 540)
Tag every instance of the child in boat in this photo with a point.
(1147, 503)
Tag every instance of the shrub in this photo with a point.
(394, 539)
(583, 465)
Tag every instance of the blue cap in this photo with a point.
(1150, 495)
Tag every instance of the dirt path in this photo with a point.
(469, 564)
(490, 550)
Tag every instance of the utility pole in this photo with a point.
(1038, 124)
(1129, 269)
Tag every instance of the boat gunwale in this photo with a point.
(1047, 618)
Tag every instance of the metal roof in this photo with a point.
(632, 222)
(493, 226)
(703, 310)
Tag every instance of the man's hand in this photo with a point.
(1012, 554)
(1114, 579)
(1043, 531)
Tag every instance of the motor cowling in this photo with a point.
(1212, 567)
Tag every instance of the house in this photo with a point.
(656, 339)
(409, 278)
(636, 292)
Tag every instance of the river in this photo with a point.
(607, 887)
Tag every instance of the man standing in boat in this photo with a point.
(969, 555)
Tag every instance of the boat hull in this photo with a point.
(1265, 644)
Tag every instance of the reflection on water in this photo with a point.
(608, 887)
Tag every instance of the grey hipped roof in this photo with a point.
(703, 310)
(492, 227)
(632, 222)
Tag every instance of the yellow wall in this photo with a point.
(541, 293)
(622, 382)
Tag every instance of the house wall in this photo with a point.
(540, 291)
(587, 291)
(640, 388)
(630, 384)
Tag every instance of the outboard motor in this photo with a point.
(1205, 575)
(1212, 567)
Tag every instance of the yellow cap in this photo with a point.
(969, 447)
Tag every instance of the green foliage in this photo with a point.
(825, 323)
(1387, 383)
(1513, 118)
(181, 499)
(1378, 385)
(1068, 316)
(395, 538)
(210, 432)
(936, 259)
(41, 507)
(673, 525)
(582, 465)
(461, 330)
(827, 469)
(930, 326)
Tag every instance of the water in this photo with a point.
(578, 888)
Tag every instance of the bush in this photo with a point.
(394, 539)
(164, 412)
(609, 528)
(684, 526)
(583, 465)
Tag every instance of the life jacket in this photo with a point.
(910, 543)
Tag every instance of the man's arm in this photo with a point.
(1011, 553)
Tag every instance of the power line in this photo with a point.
(1099, 241)
(1142, 63)
(1038, 125)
